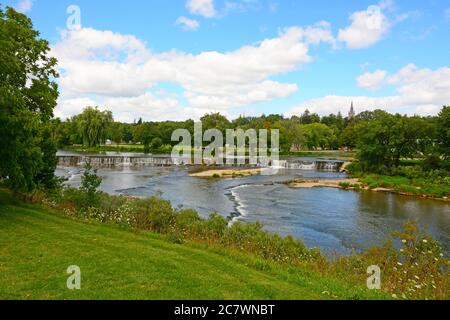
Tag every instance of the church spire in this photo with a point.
(352, 113)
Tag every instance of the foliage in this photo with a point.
(415, 268)
(443, 132)
(27, 97)
(93, 125)
(385, 139)
(89, 184)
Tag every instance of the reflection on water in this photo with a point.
(332, 219)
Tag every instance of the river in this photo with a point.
(337, 221)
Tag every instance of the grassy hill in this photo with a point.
(37, 246)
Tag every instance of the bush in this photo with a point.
(153, 214)
(416, 270)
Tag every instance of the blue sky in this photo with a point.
(318, 54)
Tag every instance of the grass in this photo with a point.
(37, 246)
(133, 148)
(418, 187)
(326, 154)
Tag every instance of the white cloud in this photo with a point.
(372, 81)
(68, 107)
(367, 27)
(187, 24)
(204, 8)
(24, 6)
(419, 91)
(115, 67)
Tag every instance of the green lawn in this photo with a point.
(37, 246)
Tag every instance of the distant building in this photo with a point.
(352, 113)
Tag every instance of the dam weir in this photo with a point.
(141, 160)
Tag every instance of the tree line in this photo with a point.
(381, 138)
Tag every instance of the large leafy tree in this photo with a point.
(385, 139)
(28, 96)
(94, 125)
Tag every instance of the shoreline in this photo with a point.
(353, 184)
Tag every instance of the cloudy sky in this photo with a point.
(180, 59)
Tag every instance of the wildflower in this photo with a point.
(399, 263)
(425, 241)
(404, 241)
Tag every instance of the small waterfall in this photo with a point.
(302, 165)
(165, 161)
(279, 164)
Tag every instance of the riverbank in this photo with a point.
(387, 184)
(322, 183)
(119, 264)
(226, 173)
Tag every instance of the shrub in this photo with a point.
(344, 185)
(153, 214)
(416, 269)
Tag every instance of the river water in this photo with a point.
(334, 220)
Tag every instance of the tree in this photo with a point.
(93, 126)
(215, 121)
(116, 132)
(295, 133)
(443, 132)
(349, 137)
(308, 117)
(48, 146)
(334, 120)
(374, 138)
(156, 143)
(319, 135)
(28, 96)
(90, 182)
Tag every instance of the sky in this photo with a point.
(180, 59)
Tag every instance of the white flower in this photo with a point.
(404, 241)
(425, 241)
